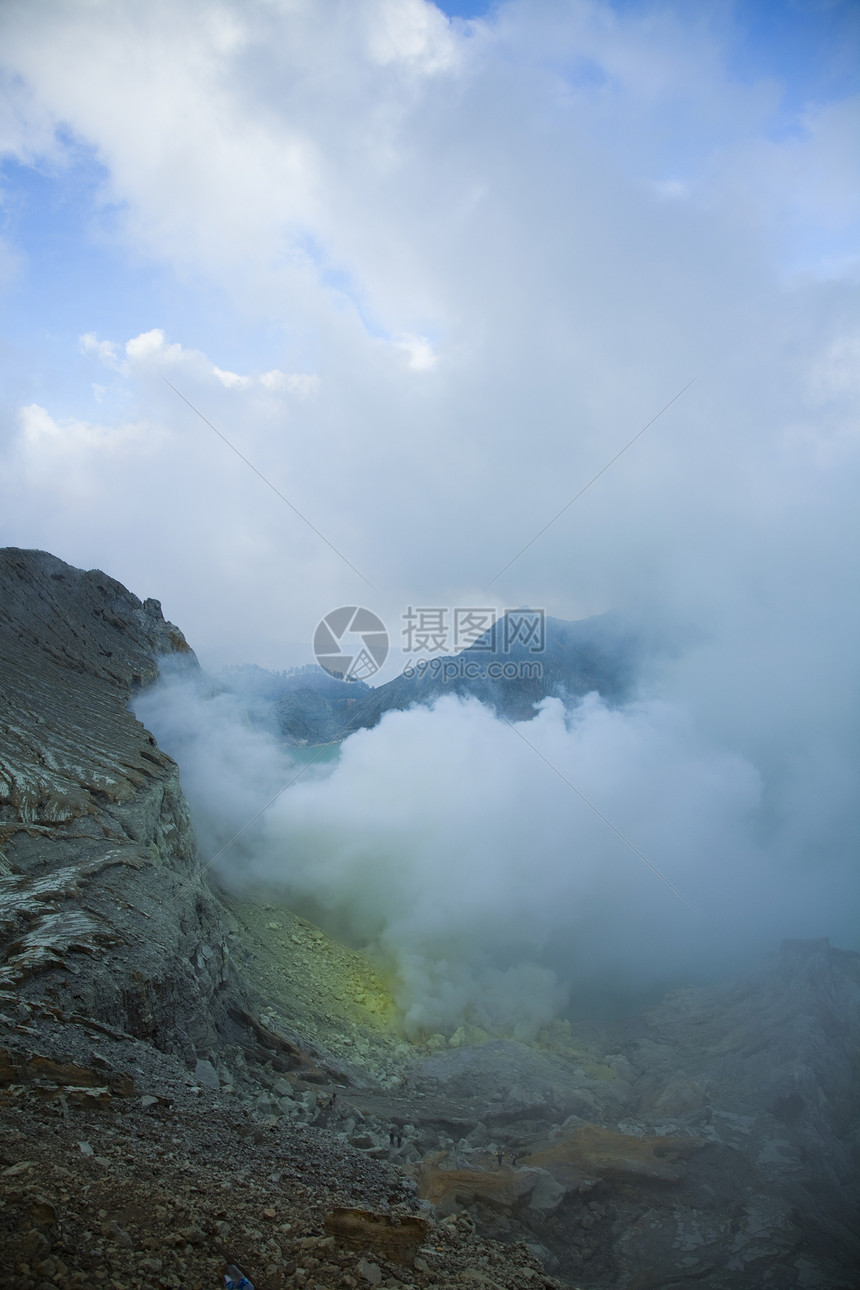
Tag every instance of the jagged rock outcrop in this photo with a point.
(105, 911)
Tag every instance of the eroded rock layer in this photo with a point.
(94, 831)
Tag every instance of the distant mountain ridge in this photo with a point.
(601, 653)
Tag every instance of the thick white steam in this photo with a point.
(446, 845)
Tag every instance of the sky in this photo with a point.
(428, 271)
(312, 303)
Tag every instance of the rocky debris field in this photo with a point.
(141, 1191)
(673, 1143)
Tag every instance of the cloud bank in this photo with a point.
(490, 889)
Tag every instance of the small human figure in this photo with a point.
(234, 1280)
(499, 1156)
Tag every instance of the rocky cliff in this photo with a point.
(95, 835)
(188, 1078)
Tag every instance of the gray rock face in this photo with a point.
(103, 905)
(206, 1074)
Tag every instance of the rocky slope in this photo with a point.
(189, 1078)
(95, 835)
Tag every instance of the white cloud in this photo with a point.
(152, 350)
(231, 379)
(298, 383)
(419, 352)
(27, 126)
(104, 350)
(410, 32)
(72, 459)
(151, 345)
(42, 433)
(800, 190)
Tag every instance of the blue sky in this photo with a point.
(811, 47)
(73, 264)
